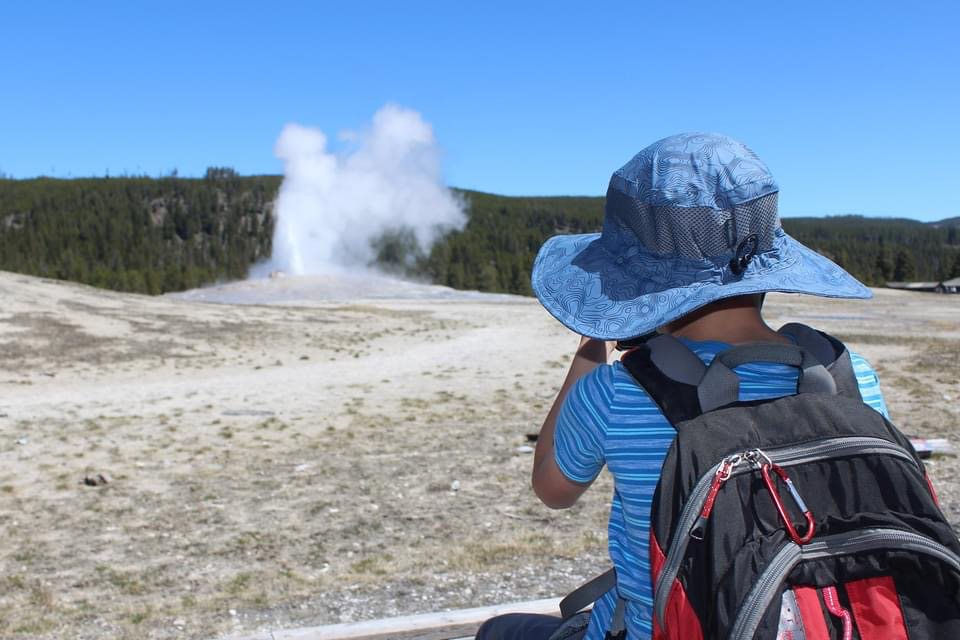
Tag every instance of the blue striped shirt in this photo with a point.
(607, 419)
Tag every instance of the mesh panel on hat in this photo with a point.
(695, 232)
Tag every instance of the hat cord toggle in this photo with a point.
(745, 252)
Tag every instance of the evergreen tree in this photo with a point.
(884, 265)
(904, 269)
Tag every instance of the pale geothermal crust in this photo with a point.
(332, 449)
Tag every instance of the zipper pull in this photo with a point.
(724, 471)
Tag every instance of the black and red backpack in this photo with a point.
(805, 517)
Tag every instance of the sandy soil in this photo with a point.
(339, 454)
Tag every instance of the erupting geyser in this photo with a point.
(332, 205)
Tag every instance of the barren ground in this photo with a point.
(294, 464)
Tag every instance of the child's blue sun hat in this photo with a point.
(690, 220)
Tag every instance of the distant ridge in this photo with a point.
(947, 222)
(155, 235)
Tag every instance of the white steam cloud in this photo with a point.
(331, 206)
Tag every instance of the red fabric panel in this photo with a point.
(876, 609)
(657, 559)
(681, 620)
(814, 625)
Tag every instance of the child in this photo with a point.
(690, 244)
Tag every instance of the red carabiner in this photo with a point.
(791, 529)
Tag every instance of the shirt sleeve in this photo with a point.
(869, 384)
(580, 434)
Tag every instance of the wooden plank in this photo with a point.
(461, 623)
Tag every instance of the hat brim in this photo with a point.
(599, 294)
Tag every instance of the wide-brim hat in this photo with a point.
(690, 220)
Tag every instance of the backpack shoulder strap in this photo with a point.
(721, 386)
(669, 372)
(683, 387)
(588, 593)
(832, 353)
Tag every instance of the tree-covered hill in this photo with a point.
(152, 235)
(878, 250)
(949, 222)
(496, 249)
(137, 234)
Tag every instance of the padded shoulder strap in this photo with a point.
(721, 386)
(831, 353)
(684, 388)
(669, 372)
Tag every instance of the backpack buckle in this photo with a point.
(765, 470)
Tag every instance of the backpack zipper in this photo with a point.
(692, 520)
(791, 554)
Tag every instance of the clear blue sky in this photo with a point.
(853, 105)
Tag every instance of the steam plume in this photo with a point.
(331, 206)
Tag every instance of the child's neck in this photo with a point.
(733, 325)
